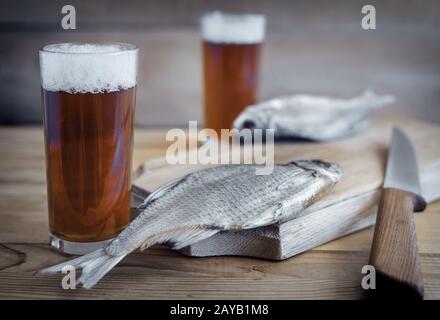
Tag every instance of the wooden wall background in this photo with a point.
(313, 47)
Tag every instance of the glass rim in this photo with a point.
(125, 48)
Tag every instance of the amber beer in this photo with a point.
(89, 97)
(231, 54)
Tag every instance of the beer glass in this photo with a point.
(88, 97)
(231, 53)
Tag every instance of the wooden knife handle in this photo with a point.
(394, 252)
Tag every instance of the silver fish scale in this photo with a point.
(225, 198)
(236, 189)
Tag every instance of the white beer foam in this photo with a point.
(219, 27)
(92, 68)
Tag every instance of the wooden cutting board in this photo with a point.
(351, 207)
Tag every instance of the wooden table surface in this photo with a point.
(331, 271)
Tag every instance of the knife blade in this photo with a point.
(394, 252)
(402, 168)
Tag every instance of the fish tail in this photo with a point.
(375, 101)
(94, 266)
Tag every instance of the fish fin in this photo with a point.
(375, 101)
(159, 192)
(185, 239)
(94, 266)
(269, 216)
(180, 237)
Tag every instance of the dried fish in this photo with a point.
(312, 117)
(206, 202)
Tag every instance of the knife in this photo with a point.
(394, 252)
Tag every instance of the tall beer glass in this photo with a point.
(89, 97)
(231, 53)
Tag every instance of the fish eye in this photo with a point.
(324, 164)
(249, 124)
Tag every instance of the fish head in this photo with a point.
(331, 170)
(254, 117)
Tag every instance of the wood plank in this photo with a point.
(331, 270)
(162, 274)
(427, 226)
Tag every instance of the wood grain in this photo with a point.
(394, 252)
(331, 271)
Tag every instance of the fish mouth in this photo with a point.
(329, 169)
(250, 119)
